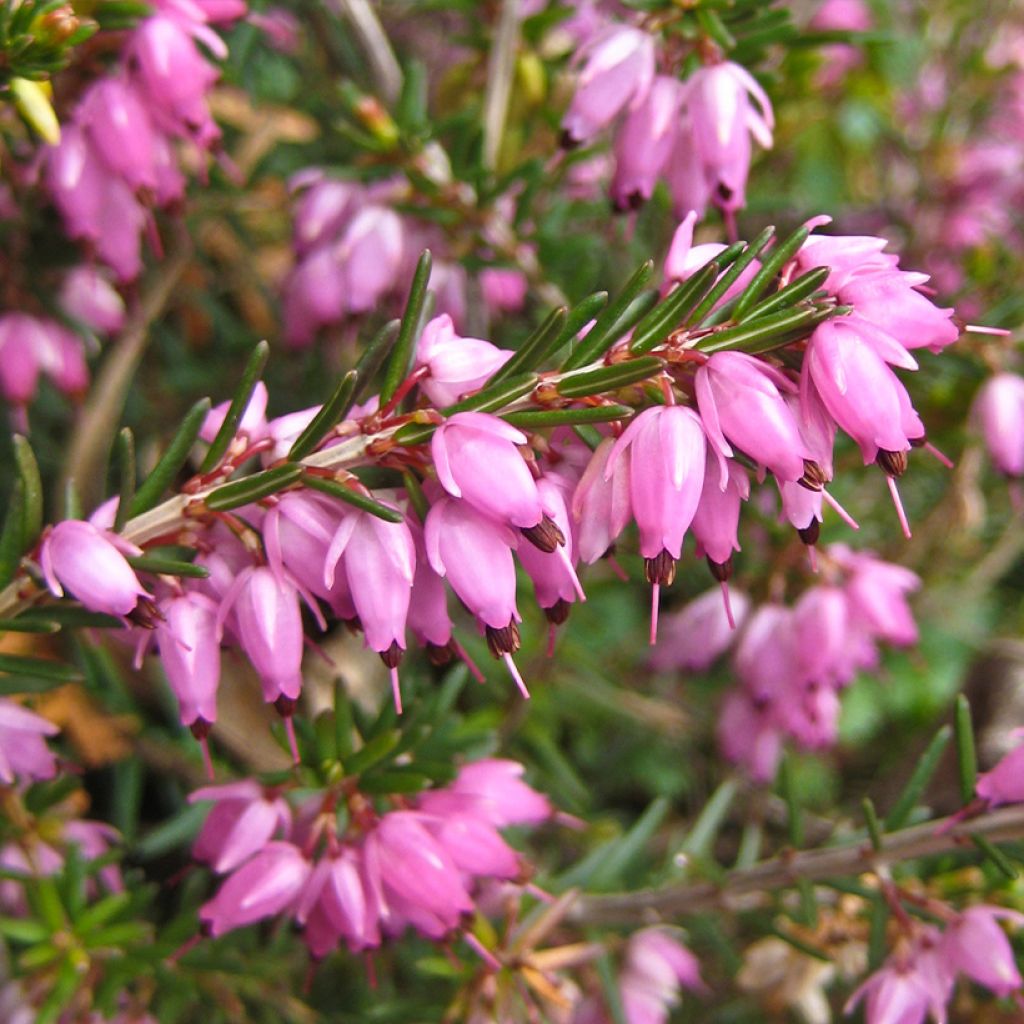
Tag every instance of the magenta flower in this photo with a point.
(750, 735)
(267, 884)
(499, 794)
(858, 389)
(269, 627)
(975, 945)
(504, 289)
(1004, 784)
(23, 750)
(253, 422)
(241, 822)
(821, 636)
(657, 966)
(428, 605)
(413, 877)
(877, 596)
(476, 458)
(693, 637)
(473, 843)
(644, 143)
(600, 503)
(618, 69)
(189, 640)
(121, 130)
(666, 449)
(684, 258)
(88, 296)
(999, 412)
(89, 563)
(455, 365)
(314, 296)
(370, 252)
(740, 399)
(716, 520)
(321, 211)
(335, 905)
(22, 342)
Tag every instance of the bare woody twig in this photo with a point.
(384, 64)
(650, 905)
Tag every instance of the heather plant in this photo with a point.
(487, 484)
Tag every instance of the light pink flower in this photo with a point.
(455, 365)
(23, 750)
(999, 412)
(241, 822)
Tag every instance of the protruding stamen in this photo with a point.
(999, 332)
(812, 557)
(893, 463)
(503, 640)
(204, 746)
(563, 555)
(396, 692)
(840, 511)
(655, 601)
(660, 569)
(545, 535)
(941, 456)
(814, 477)
(514, 672)
(722, 571)
(894, 491)
(810, 533)
(724, 584)
(481, 951)
(616, 567)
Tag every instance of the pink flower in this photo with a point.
(189, 639)
(88, 296)
(314, 296)
(121, 130)
(455, 365)
(684, 258)
(618, 70)
(23, 751)
(975, 945)
(241, 822)
(693, 637)
(1004, 784)
(370, 253)
(858, 389)
(89, 563)
(504, 289)
(600, 503)
(740, 399)
(499, 794)
(335, 905)
(476, 458)
(265, 885)
(999, 412)
(657, 965)
(269, 627)
(899, 993)
(22, 341)
(321, 211)
(716, 521)
(644, 143)
(253, 422)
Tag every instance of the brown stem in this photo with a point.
(741, 888)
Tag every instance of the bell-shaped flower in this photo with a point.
(741, 399)
(334, 905)
(644, 142)
(269, 628)
(120, 128)
(499, 794)
(844, 255)
(22, 343)
(321, 212)
(600, 503)
(699, 632)
(716, 520)
(1004, 783)
(455, 365)
(267, 884)
(474, 844)
(690, 186)
(189, 640)
(999, 412)
(474, 553)
(877, 596)
(428, 604)
(504, 289)
(23, 749)
(684, 258)
(88, 296)
(975, 945)
(553, 573)
(89, 563)
(314, 295)
(821, 636)
(477, 460)
(618, 69)
(749, 734)
(656, 966)
(858, 388)
(370, 254)
(765, 658)
(415, 877)
(243, 819)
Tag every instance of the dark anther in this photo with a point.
(566, 140)
(558, 612)
(393, 655)
(661, 569)
(200, 728)
(504, 640)
(894, 463)
(814, 476)
(285, 706)
(545, 535)
(440, 654)
(810, 533)
(722, 571)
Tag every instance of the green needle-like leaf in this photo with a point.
(966, 756)
(919, 780)
(10, 535)
(535, 349)
(405, 345)
(252, 488)
(32, 492)
(352, 497)
(609, 326)
(534, 419)
(331, 414)
(667, 315)
(801, 288)
(730, 276)
(124, 458)
(170, 463)
(779, 256)
(236, 410)
(39, 668)
(373, 357)
(609, 378)
(168, 567)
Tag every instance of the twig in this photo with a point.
(500, 70)
(101, 414)
(787, 869)
(384, 64)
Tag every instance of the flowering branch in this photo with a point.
(739, 889)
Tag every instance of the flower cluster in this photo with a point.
(657, 967)
(117, 158)
(416, 865)
(353, 251)
(696, 134)
(31, 345)
(792, 662)
(919, 978)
